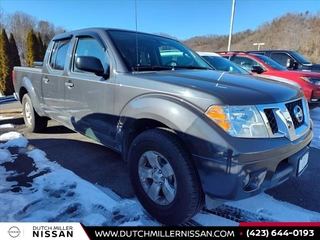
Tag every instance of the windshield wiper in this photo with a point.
(151, 68)
(192, 67)
(157, 68)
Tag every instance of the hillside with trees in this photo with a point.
(295, 31)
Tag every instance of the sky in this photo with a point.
(182, 19)
(55, 194)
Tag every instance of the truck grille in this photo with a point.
(272, 120)
(290, 106)
(289, 119)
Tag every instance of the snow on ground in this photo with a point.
(8, 125)
(51, 193)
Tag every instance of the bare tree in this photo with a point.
(46, 30)
(2, 19)
(19, 25)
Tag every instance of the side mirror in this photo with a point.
(257, 69)
(90, 64)
(295, 65)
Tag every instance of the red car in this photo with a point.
(260, 64)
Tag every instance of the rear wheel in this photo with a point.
(32, 120)
(164, 177)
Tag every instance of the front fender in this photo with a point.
(170, 111)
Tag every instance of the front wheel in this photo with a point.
(164, 178)
(32, 120)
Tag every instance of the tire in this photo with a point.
(32, 120)
(164, 178)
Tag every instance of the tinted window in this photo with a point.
(222, 64)
(58, 54)
(270, 62)
(88, 46)
(261, 53)
(174, 57)
(281, 58)
(301, 59)
(246, 63)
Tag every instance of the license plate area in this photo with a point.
(303, 163)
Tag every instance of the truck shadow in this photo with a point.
(90, 161)
(15, 121)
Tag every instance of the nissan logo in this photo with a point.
(14, 232)
(297, 111)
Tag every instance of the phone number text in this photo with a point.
(279, 233)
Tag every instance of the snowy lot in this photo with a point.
(35, 189)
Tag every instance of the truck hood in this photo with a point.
(223, 87)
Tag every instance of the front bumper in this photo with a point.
(235, 176)
(315, 95)
(232, 168)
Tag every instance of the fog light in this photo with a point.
(254, 180)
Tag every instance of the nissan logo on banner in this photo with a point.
(298, 113)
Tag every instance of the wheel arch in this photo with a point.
(156, 111)
(27, 88)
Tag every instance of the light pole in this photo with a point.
(231, 24)
(259, 44)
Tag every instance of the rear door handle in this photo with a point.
(69, 84)
(46, 80)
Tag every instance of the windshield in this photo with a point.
(146, 52)
(300, 58)
(270, 62)
(222, 64)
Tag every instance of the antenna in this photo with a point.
(136, 14)
(137, 46)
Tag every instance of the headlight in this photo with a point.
(239, 121)
(315, 81)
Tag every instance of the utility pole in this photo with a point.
(231, 23)
(259, 44)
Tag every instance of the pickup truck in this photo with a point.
(290, 59)
(193, 138)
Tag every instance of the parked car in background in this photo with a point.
(260, 64)
(290, 59)
(222, 64)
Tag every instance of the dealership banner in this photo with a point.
(42, 230)
(35, 230)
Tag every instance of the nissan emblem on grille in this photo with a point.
(297, 111)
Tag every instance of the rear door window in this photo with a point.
(59, 54)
